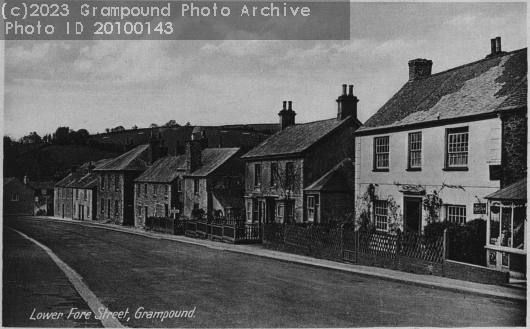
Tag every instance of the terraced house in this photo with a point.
(460, 133)
(298, 174)
(159, 191)
(115, 201)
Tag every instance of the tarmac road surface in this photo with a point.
(203, 287)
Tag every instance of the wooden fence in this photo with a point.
(231, 232)
(349, 243)
(166, 225)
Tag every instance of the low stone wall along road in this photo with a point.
(160, 283)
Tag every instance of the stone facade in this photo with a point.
(156, 200)
(514, 147)
(115, 200)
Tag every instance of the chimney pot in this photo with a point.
(344, 89)
(493, 46)
(290, 105)
(498, 45)
(347, 104)
(284, 105)
(350, 91)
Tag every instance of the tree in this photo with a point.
(62, 135)
(118, 128)
(107, 130)
(171, 123)
(134, 127)
(187, 124)
(153, 125)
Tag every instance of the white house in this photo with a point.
(461, 133)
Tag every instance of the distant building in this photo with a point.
(44, 195)
(461, 132)
(18, 199)
(300, 173)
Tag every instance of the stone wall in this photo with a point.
(514, 148)
(475, 273)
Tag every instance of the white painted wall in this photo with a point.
(484, 150)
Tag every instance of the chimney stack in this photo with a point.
(204, 140)
(154, 149)
(90, 167)
(193, 155)
(496, 48)
(419, 68)
(287, 116)
(162, 150)
(347, 104)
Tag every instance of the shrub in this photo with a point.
(197, 213)
(466, 242)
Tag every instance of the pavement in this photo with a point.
(510, 292)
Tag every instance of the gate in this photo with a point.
(349, 245)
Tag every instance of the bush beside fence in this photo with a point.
(166, 225)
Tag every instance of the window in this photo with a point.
(43, 191)
(166, 190)
(381, 214)
(139, 211)
(87, 212)
(102, 205)
(381, 152)
(116, 207)
(289, 175)
(227, 182)
(456, 214)
(15, 197)
(138, 187)
(76, 194)
(166, 210)
(255, 209)
(311, 208)
(290, 212)
(102, 182)
(85, 195)
(75, 209)
(415, 150)
(457, 147)
(274, 173)
(257, 174)
(155, 189)
(196, 186)
(112, 181)
(249, 211)
(117, 182)
(64, 193)
(179, 185)
(145, 189)
(279, 213)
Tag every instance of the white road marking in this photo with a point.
(90, 298)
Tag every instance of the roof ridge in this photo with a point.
(472, 63)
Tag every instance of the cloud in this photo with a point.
(240, 48)
(129, 61)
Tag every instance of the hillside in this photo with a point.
(45, 162)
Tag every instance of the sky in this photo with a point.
(98, 84)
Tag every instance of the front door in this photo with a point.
(261, 211)
(412, 217)
(81, 212)
(62, 212)
(108, 208)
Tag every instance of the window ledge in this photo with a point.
(413, 169)
(455, 169)
(506, 249)
(380, 170)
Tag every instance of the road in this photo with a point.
(225, 289)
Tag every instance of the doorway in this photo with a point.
(81, 212)
(412, 216)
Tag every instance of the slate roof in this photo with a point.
(135, 159)
(486, 86)
(212, 159)
(515, 191)
(164, 170)
(230, 198)
(339, 178)
(294, 139)
(41, 185)
(65, 182)
(88, 180)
